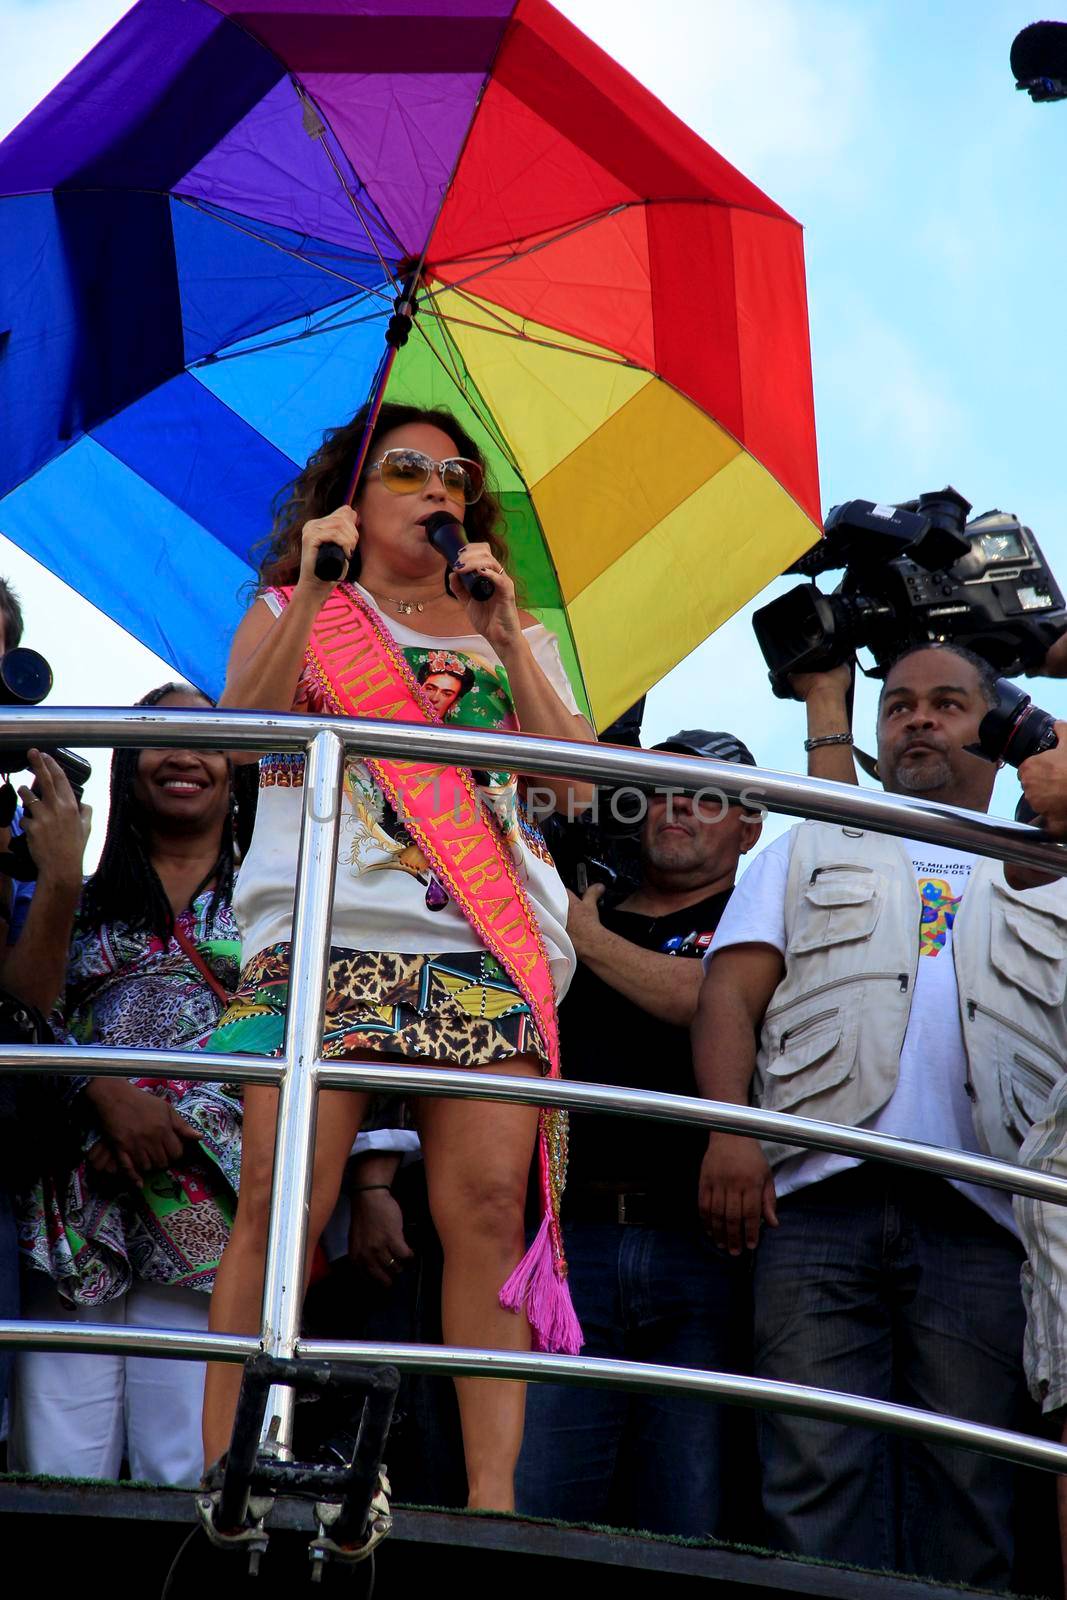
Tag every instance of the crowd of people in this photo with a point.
(875, 982)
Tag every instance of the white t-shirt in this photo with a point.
(385, 896)
(930, 1101)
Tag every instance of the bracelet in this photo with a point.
(365, 1188)
(827, 738)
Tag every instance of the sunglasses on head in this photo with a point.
(408, 471)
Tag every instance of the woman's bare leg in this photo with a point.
(477, 1169)
(236, 1304)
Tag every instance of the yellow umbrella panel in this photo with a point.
(637, 523)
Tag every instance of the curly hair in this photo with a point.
(323, 485)
(125, 886)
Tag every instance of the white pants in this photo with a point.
(78, 1416)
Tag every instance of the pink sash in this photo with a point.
(359, 671)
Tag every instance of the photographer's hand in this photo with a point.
(825, 697)
(1044, 781)
(583, 920)
(56, 829)
(55, 825)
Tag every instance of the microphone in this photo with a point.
(448, 538)
(330, 563)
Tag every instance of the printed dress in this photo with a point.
(408, 975)
(92, 1233)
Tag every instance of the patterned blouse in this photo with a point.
(94, 1234)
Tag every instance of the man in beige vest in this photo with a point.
(907, 988)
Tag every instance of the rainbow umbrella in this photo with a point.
(204, 229)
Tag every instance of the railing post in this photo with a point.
(294, 1150)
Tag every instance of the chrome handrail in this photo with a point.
(781, 1127)
(452, 1361)
(299, 1073)
(788, 793)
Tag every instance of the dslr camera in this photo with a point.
(917, 573)
(1012, 730)
(25, 680)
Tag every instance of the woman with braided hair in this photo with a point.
(134, 1234)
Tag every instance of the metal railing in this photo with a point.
(300, 1072)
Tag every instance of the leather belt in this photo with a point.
(631, 1209)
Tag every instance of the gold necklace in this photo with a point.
(405, 607)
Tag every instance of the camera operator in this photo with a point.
(907, 988)
(35, 932)
(646, 1283)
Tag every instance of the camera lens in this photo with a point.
(1015, 729)
(25, 678)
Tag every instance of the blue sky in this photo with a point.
(935, 216)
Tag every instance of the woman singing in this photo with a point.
(448, 941)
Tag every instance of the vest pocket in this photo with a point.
(1028, 947)
(839, 904)
(807, 1055)
(1026, 1081)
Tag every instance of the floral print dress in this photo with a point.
(94, 1234)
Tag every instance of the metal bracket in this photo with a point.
(252, 1537)
(351, 1497)
(324, 1549)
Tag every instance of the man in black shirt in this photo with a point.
(647, 1283)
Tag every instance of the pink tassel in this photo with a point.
(539, 1289)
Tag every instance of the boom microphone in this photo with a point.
(1039, 60)
(448, 538)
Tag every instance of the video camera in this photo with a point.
(917, 573)
(25, 680)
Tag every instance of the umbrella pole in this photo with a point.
(396, 337)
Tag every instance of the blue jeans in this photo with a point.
(644, 1461)
(9, 1282)
(890, 1285)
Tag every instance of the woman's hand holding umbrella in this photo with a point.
(340, 528)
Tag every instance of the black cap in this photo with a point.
(713, 746)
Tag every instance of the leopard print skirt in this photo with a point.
(457, 1008)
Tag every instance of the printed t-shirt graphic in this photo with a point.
(938, 914)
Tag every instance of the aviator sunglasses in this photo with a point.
(408, 471)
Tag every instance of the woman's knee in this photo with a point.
(482, 1208)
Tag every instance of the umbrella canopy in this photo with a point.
(202, 233)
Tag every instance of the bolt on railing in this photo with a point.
(299, 1074)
